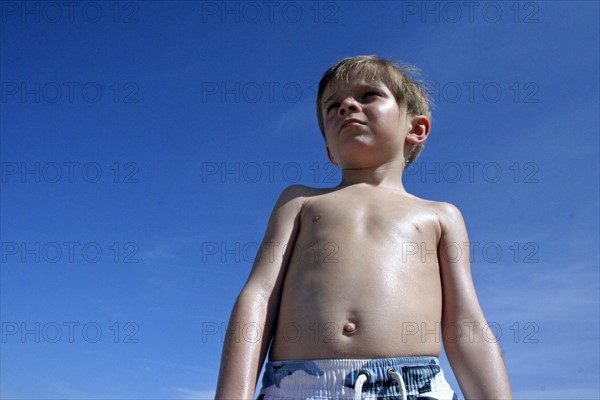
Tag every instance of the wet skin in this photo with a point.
(363, 280)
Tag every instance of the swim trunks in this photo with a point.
(380, 378)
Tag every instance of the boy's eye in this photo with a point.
(370, 93)
(331, 106)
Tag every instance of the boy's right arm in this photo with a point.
(258, 303)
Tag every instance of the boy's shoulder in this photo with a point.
(442, 207)
(298, 191)
(295, 195)
(446, 214)
(445, 211)
(301, 190)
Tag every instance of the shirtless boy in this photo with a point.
(356, 287)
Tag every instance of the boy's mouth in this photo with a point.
(350, 122)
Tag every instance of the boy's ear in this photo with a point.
(330, 156)
(419, 131)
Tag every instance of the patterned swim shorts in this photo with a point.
(380, 378)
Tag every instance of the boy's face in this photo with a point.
(364, 126)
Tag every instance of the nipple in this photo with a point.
(349, 328)
(316, 218)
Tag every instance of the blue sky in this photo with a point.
(143, 146)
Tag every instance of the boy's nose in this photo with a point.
(348, 105)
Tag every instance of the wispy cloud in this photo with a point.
(166, 249)
(583, 393)
(298, 117)
(184, 393)
(548, 316)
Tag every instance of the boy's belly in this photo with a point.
(352, 310)
(355, 338)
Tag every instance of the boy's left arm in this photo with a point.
(471, 347)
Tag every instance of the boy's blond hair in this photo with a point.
(406, 90)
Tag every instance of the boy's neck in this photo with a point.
(383, 177)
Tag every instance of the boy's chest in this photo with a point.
(368, 218)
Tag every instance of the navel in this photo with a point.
(349, 328)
